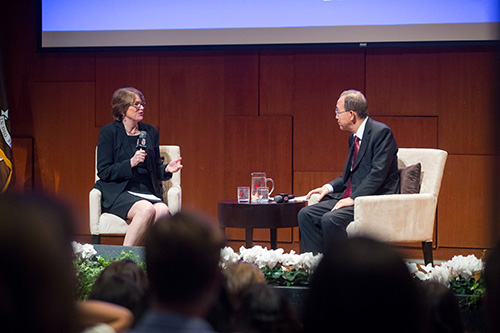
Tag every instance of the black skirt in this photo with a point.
(124, 202)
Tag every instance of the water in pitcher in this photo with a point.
(259, 180)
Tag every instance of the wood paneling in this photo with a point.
(304, 181)
(22, 155)
(119, 70)
(65, 67)
(307, 84)
(465, 201)
(65, 143)
(413, 132)
(241, 84)
(466, 109)
(255, 144)
(192, 116)
(402, 82)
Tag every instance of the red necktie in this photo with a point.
(348, 190)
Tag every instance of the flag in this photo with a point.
(5, 137)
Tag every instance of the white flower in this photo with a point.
(421, 275)
(464, 266)
(271, 258)
(290, 259)
(228, 256)
(251, 255)
(308, 261)
(412, 267)
(438, 273)
(77, 248)
(88, 251)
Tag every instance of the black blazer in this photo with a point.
(376, 168)
(113, 161)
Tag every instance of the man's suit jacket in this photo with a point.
(113, 161)
(376, 167)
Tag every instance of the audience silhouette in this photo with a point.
(440, 309)
(264, 309)
(182, 258)
(37, 280)
(362, 285)
(123, 283)
(492, 296)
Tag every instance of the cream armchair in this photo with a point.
(403, 218)
(112, 225)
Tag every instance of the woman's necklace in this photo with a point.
(133, 131)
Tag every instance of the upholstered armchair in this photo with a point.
(106, 224)
(404, 218)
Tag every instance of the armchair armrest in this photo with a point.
(395, 217)
(313, 199)
(174, 199)
(95, 210)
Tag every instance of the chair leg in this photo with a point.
(96, 239)
(427, 249)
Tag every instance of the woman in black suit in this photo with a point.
(130, 178)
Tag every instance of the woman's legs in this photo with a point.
(161, 210)
(142, 215)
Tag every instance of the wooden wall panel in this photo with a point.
(258, 144)
(465, 201)
(413, 132)
(241, 83)
(119, 70)
(307, 84)
(402, 82)
(64, 67)
(22, 156)
(304, 181)
(255, 144)
(64, 143)
(192, 97)
(466, 108)
(277, 79)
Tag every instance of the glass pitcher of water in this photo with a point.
(259, 180)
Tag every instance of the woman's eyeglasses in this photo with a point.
(138, 105)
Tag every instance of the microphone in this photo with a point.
(141, 141)
(283, 197)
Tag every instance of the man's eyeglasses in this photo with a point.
(337, 112)
(138, 105)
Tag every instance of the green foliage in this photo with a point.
(279, 277)
(87, 271)
(473, 288)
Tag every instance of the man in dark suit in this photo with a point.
(371, 169)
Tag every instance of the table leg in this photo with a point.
(274, 238)
(248, 237)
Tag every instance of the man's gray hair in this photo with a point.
(355, 101)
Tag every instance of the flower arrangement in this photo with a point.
(279, 268)
(88, 266)
(461, 274)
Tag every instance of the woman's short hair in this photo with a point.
(122, 99)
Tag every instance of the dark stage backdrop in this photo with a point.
(234, 112)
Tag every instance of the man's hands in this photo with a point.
(322, 191)
(343, 203)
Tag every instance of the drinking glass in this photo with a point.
(243, 194)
